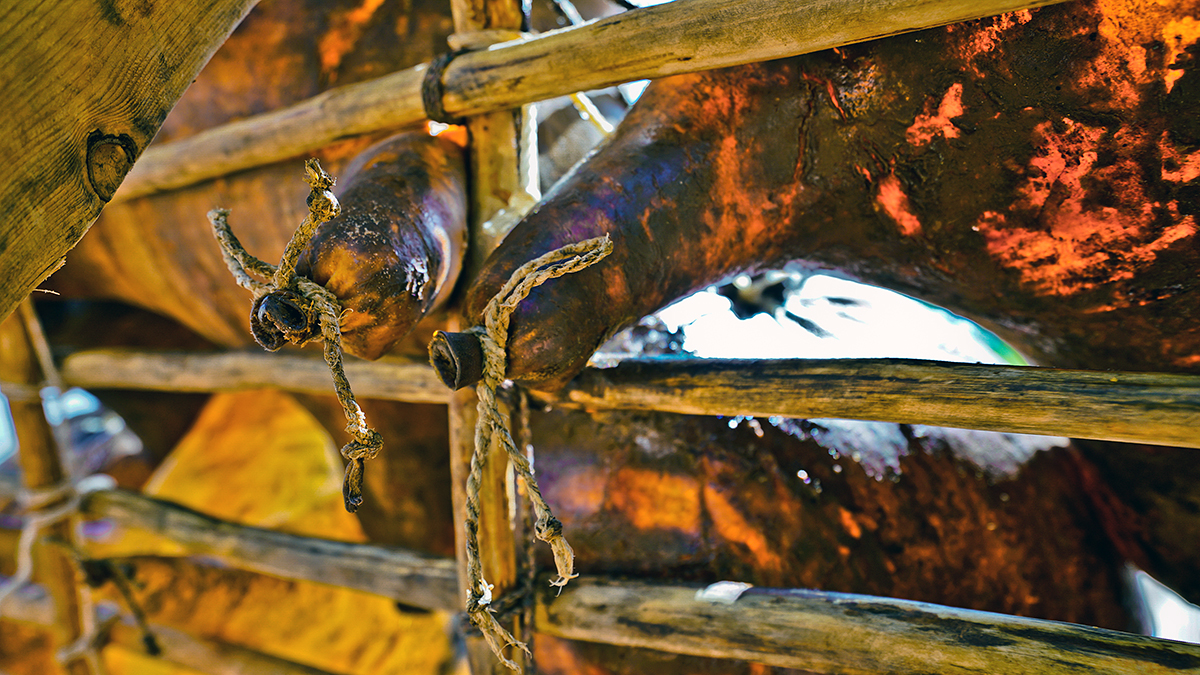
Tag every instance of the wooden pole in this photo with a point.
(42, 469)
(846, 634)
(389, 378)
(496, 180)
(812, 631)
(405, 576)
(34, 607)
(1156, 408)
(679, 37)
(87, 84)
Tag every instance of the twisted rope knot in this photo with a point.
(548, 527)
(365, 446)
(321, 202)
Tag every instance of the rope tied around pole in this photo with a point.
(492, 430)
(293, 309)
(46, 504)
(433, 89)
(44, 507)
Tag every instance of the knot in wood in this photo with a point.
(109, 158)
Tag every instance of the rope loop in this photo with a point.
(433, 89)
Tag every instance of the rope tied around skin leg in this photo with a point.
(492, 430)
(292, 309)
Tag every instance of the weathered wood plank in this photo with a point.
(679, 37)
(841, 633)
(1159, 408)
(388, 378)
(406, 576)
(87, 84)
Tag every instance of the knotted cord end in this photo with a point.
(549, 529)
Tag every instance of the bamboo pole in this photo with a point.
(34, 607)
(679, 37)
(1156, 408)
(406, 576)
(389, 378)
(818, 632)
(42, 469)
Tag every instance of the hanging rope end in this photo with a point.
(497, 637)
(549, 529)
(366, 445)
(352, 484)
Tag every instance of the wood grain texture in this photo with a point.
(390, 378)
(847, 634)
(1158, 408)
(405, 576)
(678, 37)
(88, 85)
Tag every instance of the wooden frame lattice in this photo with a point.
(815, 632)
